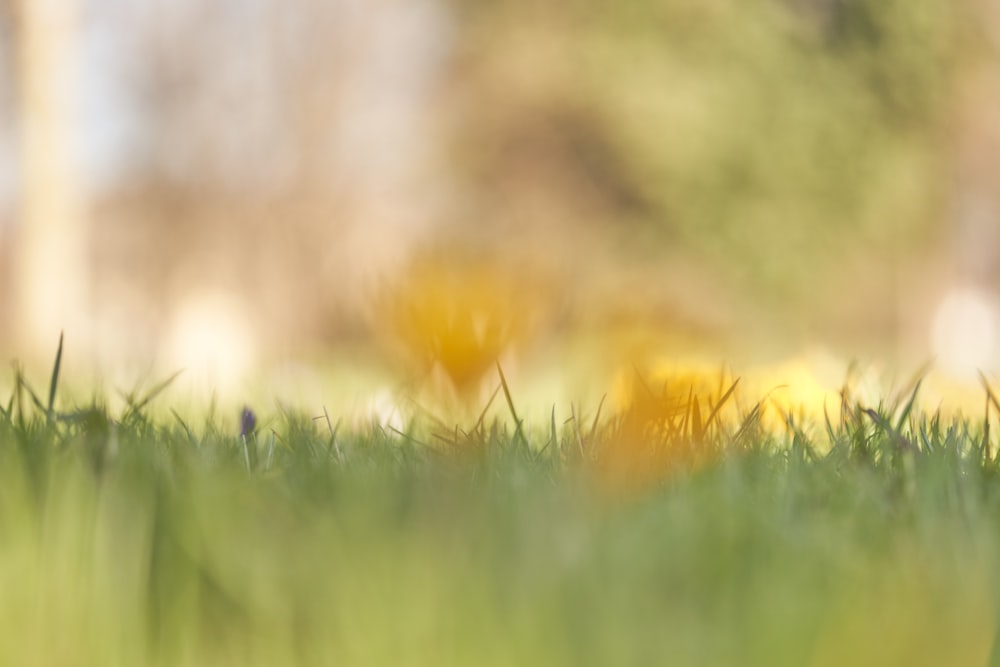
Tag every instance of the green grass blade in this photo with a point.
(480, 423)
(54, 382)
(135, 407)
(697, 427)
(909, 406)
(597, 418)
(553, 433)
(991, 397)
(518, 431)
(722, 401)
(33, 396)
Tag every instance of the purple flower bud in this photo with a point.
(248, 422)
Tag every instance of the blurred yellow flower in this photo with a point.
(456, 316)
(665, 424)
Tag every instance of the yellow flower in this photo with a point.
(665, 424)
(455, 315)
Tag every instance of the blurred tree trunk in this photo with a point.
(49, 279)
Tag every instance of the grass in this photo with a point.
(127, 539)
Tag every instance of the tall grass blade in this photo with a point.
(722, 401)
(989, 392)
(909, 406)
(553, 433)
(54, 382)
(482, 415)
(23, 384)
(576, 427)
(985, 446)
(687, 413)
(246, 453)
(991, 399)
(137, 406)
(697, 427)
(518, 431)
(334, 445)
(183, 425)
(900, 441)
(597, 418)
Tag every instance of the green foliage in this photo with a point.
(137, 542)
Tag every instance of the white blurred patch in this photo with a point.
(383, 411)
(964, 332)
(211, 339)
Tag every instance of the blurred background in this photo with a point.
(243, 185)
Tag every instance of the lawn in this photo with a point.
(678, 530)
